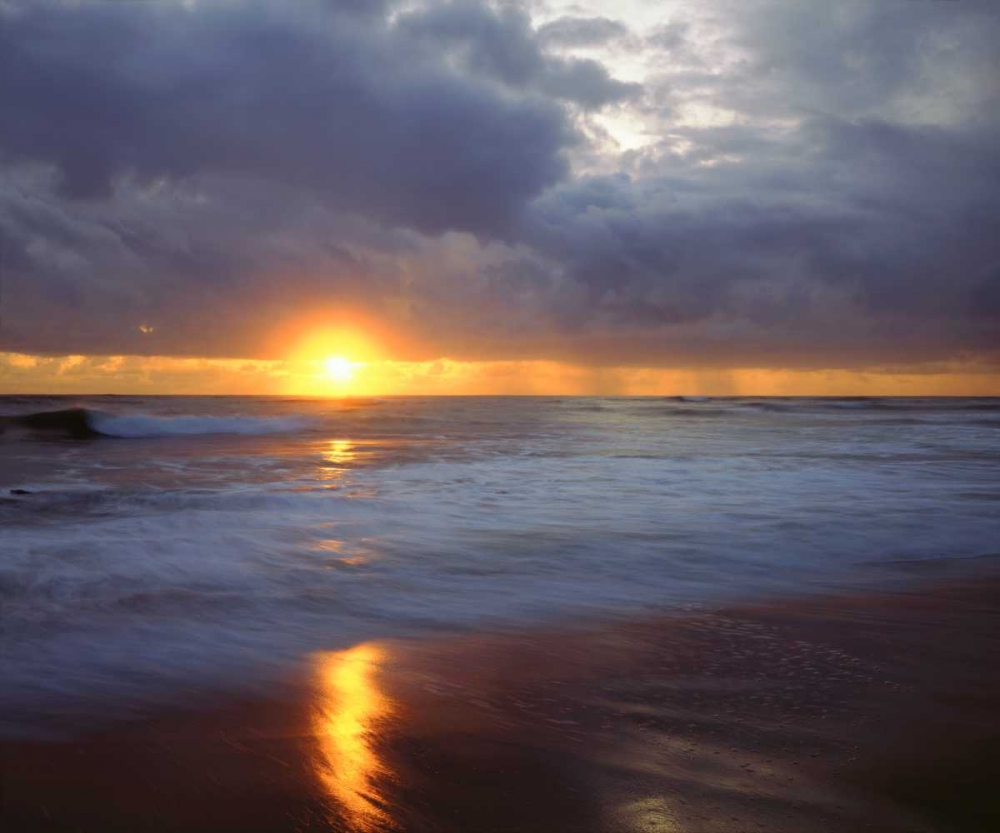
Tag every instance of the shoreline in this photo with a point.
(874, 710)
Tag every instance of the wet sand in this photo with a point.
(871, 712)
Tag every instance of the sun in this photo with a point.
(339, 369)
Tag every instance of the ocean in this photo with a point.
(156, 549)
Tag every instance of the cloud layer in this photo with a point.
(727, 184)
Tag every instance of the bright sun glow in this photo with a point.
(339, 369)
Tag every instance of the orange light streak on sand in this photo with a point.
(348, 716)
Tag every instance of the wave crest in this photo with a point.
(140, 425)
(82, 423)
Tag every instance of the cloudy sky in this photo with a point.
(500, 196)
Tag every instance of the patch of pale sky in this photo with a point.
(636, 126)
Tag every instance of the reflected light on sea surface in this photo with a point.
(337, 456)
(340, 452)
(348, 716)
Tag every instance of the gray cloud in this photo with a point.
(821, 191)
(581, 31)
(671, 36)
(502, 45)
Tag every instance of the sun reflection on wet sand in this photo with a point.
(348, 715)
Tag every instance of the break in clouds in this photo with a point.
(687, 183)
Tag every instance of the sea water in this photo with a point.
(193, 544)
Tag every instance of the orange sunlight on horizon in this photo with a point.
(334, 369)
(327, 360)
(337, 354)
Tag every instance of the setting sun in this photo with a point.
(339, 369)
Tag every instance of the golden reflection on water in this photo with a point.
(337, 455)
(339, 452)
(349, 712)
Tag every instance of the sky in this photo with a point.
(716, 197)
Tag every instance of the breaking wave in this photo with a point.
(82, 423)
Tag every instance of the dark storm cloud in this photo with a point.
(213, 265)
(821, 190)
(855, 238)
(324, 101)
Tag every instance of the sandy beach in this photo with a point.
(832, 713)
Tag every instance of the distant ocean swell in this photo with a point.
(87, 423)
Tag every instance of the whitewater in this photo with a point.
(155, 548)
